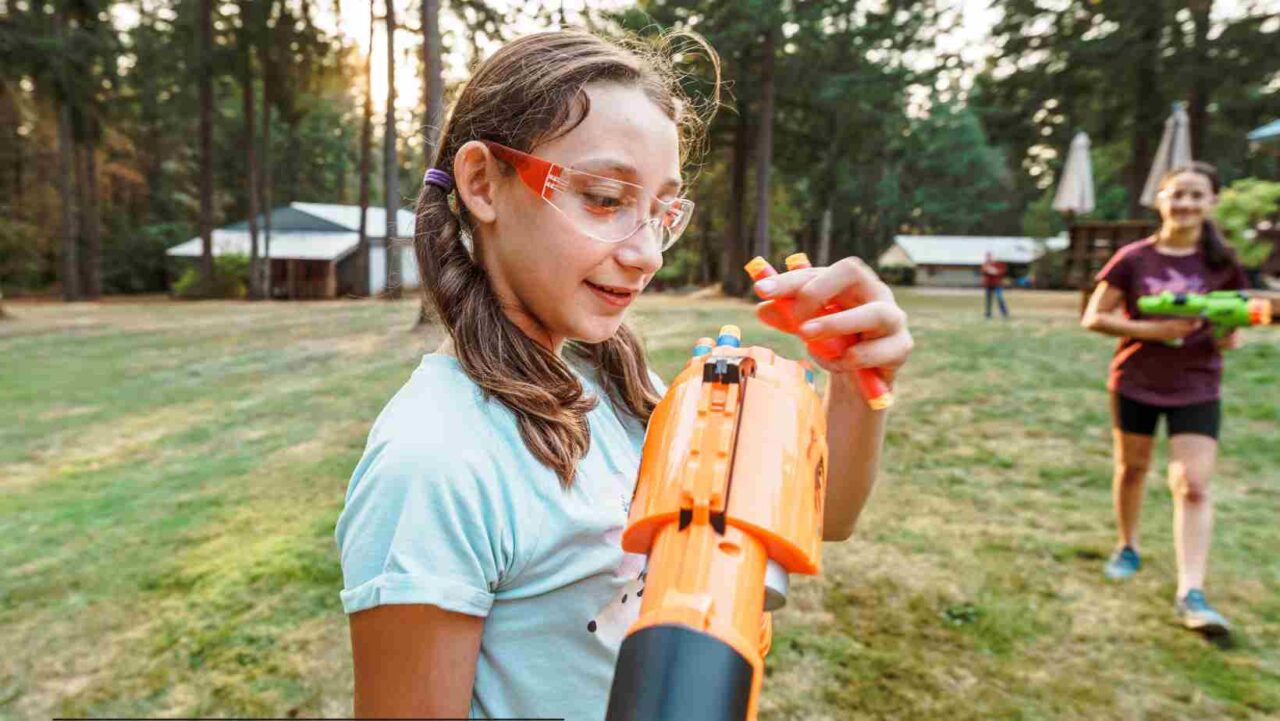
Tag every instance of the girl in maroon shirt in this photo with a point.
(1169, 367)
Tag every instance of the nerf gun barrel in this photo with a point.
(729, 500)
(1225, 310)
(871, 383)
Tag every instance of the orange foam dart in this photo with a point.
(872, 385)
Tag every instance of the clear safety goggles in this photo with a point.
(607, 209)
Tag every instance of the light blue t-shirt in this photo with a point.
(447, 507)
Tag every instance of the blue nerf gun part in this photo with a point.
(730, 335)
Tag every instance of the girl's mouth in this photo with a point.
(613, 295)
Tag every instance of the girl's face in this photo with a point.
(556, 282)
(1186, 200)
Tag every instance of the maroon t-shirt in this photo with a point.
(1151, 371)
(992, 274)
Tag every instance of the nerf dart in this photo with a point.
(1225, 310)
(728, 502)
(871, 383)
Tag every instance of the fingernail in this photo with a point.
(765, 287)
(810, 328)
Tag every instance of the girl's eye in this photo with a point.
(603, 198)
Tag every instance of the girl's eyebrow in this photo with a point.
(596, 165)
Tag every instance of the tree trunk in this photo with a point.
(1201, 83)
(264, 166)
(90, 227)
(822, 254)
(250, 138)
(433, 93)
(17, 170)
(366, 151)
(764, 144)
(66, 162)
(205, 69)
(703, 276)
(433, 78)
(1147, 118)
(735, 241)
(391, 178)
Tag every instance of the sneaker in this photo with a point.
(1122, 564)
(1197, 615)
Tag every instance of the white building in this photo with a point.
(313, 249)
(955, 260)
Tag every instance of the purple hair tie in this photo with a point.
(438, 178)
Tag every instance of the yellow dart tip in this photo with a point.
(757, 266)
(881, 403)
(798, 260)
(731, 330)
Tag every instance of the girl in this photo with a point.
(480, 538)
(1171, 368)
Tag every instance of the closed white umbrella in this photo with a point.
(1075, 186)
(1174, 151)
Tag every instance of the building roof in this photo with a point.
(304, 231)
(966, 249)
(285, 245)
(348, 217)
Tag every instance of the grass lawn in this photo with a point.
(170, 475)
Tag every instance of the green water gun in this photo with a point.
(1225, 310)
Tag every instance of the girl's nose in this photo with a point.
(643, 250)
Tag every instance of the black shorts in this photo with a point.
(1130, 416)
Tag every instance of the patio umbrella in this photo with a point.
(1075, 186)
(1174, 151)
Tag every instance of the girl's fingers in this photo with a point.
(849, 281)
(876, 319)
(785, 285)
(889, 352)
(770, 315)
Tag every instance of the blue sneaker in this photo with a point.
(1197, 615)
(1122, 564)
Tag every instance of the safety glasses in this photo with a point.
(607, 209)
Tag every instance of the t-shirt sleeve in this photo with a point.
(418, 528)
(1118, 271)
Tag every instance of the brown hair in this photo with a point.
(1217, 254)
(527, 93)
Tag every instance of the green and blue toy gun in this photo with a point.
(1225, 310)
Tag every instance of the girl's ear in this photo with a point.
(474, 173)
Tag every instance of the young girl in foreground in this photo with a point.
(480, 538)
(1170, 368)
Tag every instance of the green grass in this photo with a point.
(170, 475)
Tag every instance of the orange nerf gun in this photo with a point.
(874, 388)
(728, 502)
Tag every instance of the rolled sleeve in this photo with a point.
(418, 528)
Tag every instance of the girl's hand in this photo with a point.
(1232, 341)
(870, 310)
(1166, 331)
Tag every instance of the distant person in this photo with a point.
(1152, 375)
(480, 538)
(993, 273)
